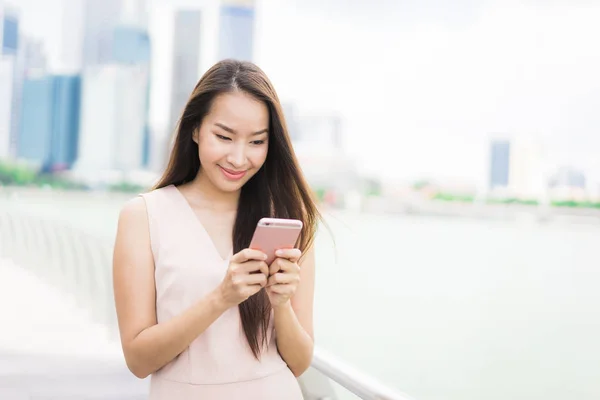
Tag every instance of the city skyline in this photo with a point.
(441, 88)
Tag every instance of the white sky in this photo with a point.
(421, 84)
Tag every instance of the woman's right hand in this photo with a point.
(246, 275)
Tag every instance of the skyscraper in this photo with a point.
(9, 28)
(131, 41)
(36, 127)
(131, 46)
(100, 19)
(30, 62)
(186, 60)
(499, 163)
(112, 122)
(236, 29)
(9, 36)
(527, 175)
(50, 121)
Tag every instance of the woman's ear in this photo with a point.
(195, 135)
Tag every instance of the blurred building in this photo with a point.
(318, 130)
(517, 168)
(527, 175)
(318, 145)
(186, 60)
(30, 63)
(113, 123)
(499, 163)
(568, 177)
(236, 29)
(50, 121)
(290, 115)
(569, 183)
(72, 19)
(100, 17)
(132, 46)
(9, 39)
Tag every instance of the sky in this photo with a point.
(420, 85)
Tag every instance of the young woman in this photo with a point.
(201, 313)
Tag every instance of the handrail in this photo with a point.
(80, 265)
(355, 381)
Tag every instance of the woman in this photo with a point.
(198, 310)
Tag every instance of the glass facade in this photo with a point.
(499, 163)
(50, 121)
(10, 34)
(236, 32)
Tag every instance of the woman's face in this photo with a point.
(233, 140)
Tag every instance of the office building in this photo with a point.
(9, 31)
(568, 177)
(50, 121)
(131, 40)
(186, 60)
(527, 178)
(99, 21)
(131, 45)
(499, 163)
(6, 99)
(30, 63)
(236, 29)
(113, 122)
(9, 41)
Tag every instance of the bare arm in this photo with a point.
(294, 320)
(149, 346)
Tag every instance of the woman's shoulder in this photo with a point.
(145, 205)
(134, 210)
(139, 203)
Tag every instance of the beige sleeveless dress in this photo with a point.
(219, 363)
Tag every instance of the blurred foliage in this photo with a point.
(510, 200)
(576, 204)
(13, 174)
(421, 184)
(372, 187)
(127, 187)
(454, 197)
(24, 175)
(319, 193)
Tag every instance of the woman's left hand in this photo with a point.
(284, 276)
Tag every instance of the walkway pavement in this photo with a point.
(50, 349)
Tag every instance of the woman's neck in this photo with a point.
(204, 194)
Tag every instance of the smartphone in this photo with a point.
(272, 234)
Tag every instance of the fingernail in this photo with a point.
(279, 253)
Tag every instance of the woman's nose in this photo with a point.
(237, 156)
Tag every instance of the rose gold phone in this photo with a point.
(272, 234)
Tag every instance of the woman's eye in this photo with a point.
(223, 137)
(258, 142)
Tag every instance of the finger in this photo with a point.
(281, 289)
(257, 279)
(290, 254)
(248, 254)
(264, 268)
(283, 265)
(282, 279)
(275, 266)
(255, 266)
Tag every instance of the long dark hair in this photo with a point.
(277, 190)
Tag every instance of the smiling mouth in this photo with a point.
(233, 175)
